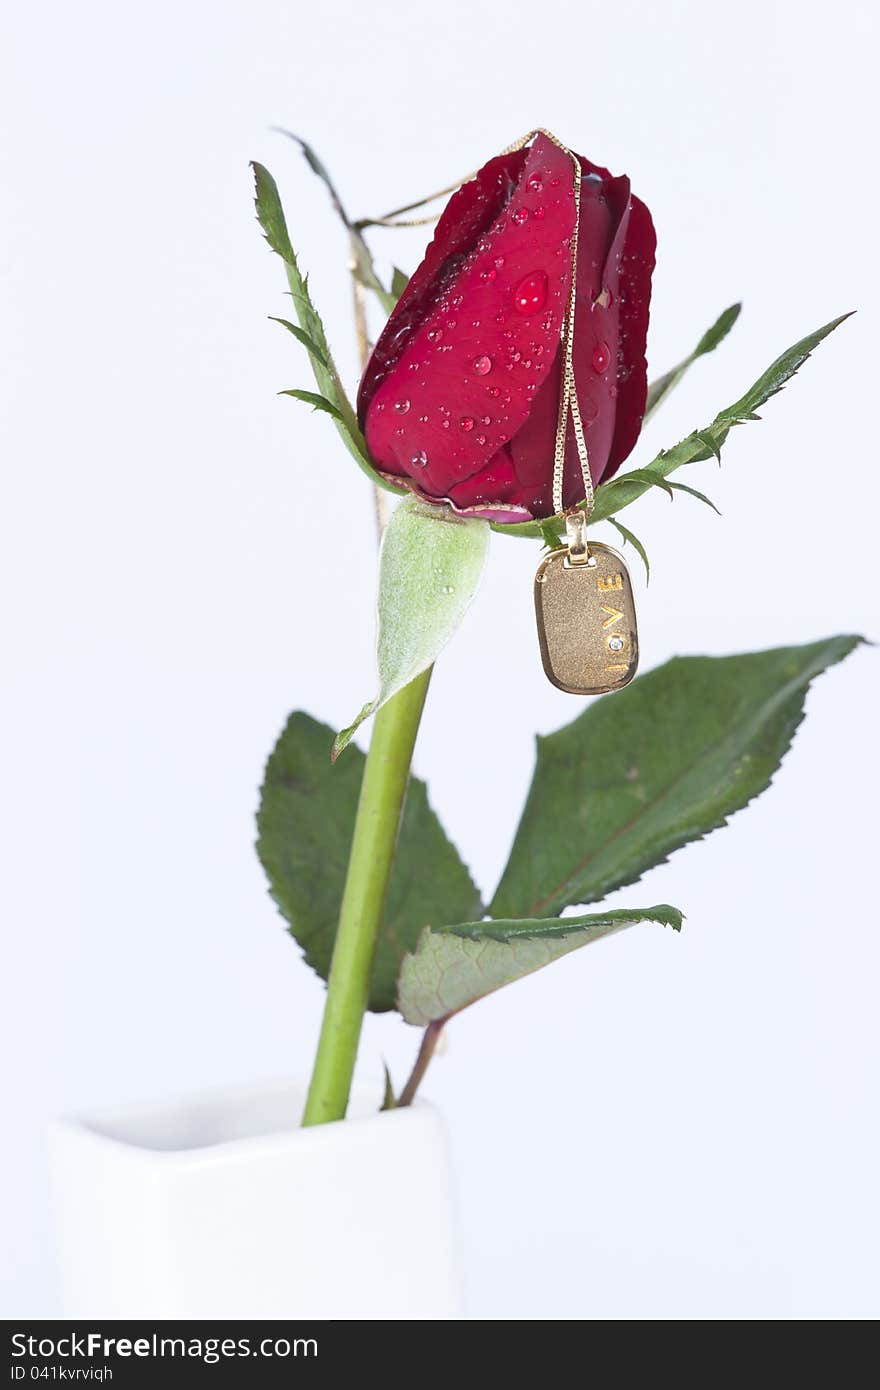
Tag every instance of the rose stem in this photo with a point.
(377, 822)
(430, 1039)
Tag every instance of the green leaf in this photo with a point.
(271, 218)
(453, 967)
(429, 568)
(642, 475)
(305, 823)
(778, 373)
(399, 282)
(652, 767)
(636, 545)
(693, 492)
(708, 343)
(314, 400)
(303, 338)
(626, 488)
(363, 267)
(318, 167)
(389, 1099)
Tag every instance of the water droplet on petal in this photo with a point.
(401, 407)
(481, 439)
(467, 423)
(482, 365)
(589, 409)
(419, 460)
(535, 183)
(530, 295)
(435, 335)
(601, 357)
(520, 215)
(538, 214)
(483, 245)
(499, 262)
(457, 301)
(488, 274)
(486, 420)
(444, 424)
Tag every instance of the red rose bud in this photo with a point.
(460, 398)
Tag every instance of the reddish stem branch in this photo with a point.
(430, 1038)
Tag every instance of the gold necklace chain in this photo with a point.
(568, 401)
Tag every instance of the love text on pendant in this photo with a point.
(586, 621)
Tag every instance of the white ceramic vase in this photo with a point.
(218, 1206)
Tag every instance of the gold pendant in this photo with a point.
(586, 616)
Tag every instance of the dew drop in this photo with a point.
(589, 410)
(483, 245)
(467, 423)
(538, 214)
(486, 420)
(535, 183)
(401, 407)
(482, 365)
(499, 262)
(530, 295)
(435, 335)
(493, 390)
(488, 275)
(423, 419)
(481, 439)
(520, 215)
(419, 460)
(444, 424)
(448, 589)
(601, 357)
(457, 301)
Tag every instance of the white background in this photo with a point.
(664, 1126)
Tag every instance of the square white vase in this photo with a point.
(219, 1206)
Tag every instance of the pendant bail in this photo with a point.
(576, 538)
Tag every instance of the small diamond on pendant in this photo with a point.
(615, 644)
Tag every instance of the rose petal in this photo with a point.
(636, 267)
(469, 363)
(469, 213)
(604, 213)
